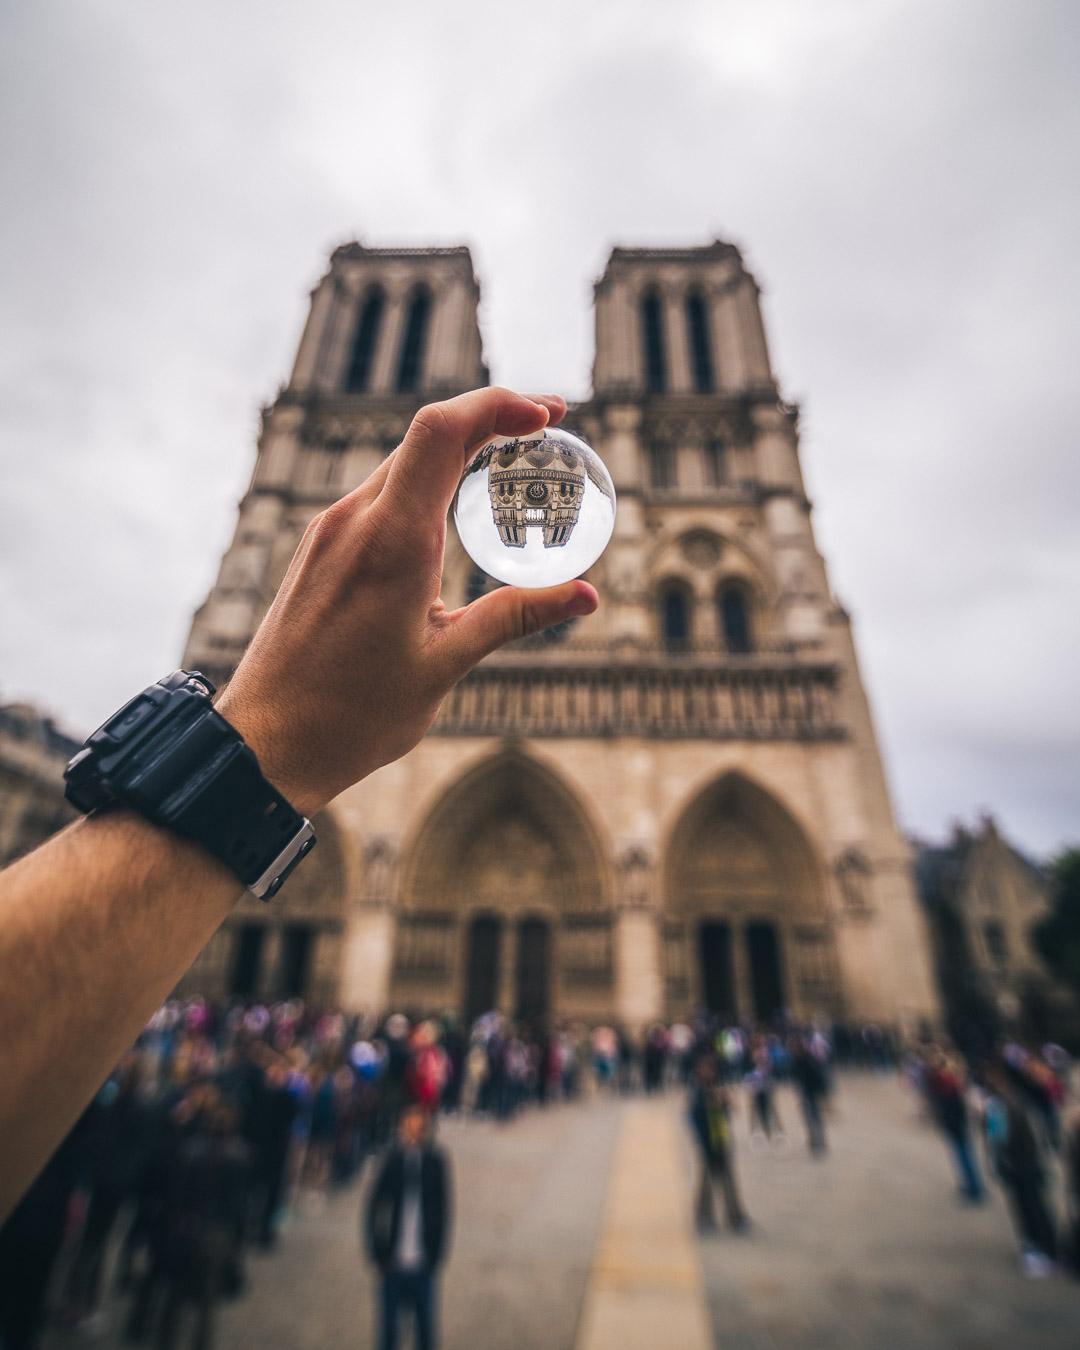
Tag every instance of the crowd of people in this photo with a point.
(1015, 1101)
(220, 1121)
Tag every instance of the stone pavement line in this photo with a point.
(645, 1285)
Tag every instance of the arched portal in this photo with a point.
(746, 928)
(505, 900)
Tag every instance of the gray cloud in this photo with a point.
(902, 178)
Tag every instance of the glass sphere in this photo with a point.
(535, 510)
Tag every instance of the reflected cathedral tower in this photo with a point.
(676, 802)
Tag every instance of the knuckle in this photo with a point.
(431, 424)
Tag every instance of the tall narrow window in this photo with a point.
(675, 617)
(367, 335)
(734, 619)
(652, 341)
(661, 460)
(715, 463)
(412, 343)
(697, 323)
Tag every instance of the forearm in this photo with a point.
(96, 927)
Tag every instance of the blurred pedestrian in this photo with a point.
(810, 1079)
(1017, 1162)
(710, 1120)
(944, 1085)
(407, 1226)
(763, 1116)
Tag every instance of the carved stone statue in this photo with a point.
(634, 876)
(380, 861)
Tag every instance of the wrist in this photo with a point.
(269, 743)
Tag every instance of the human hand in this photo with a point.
(357, 651)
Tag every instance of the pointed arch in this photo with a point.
(733, 614)
(746, 927)
(735, 845)
(699, 342)
(365, 340)
(509, 836)
(675, 612)
(652, 342)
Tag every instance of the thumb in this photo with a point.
(508, 613)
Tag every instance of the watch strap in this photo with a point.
(173, 758)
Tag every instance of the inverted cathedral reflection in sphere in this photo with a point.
(535, 510)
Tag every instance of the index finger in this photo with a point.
(442, 437)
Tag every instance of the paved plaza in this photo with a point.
(573, 1233)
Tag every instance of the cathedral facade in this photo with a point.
(676, 802)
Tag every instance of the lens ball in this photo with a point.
(535, 510)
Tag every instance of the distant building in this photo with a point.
(983, 897)
(33, 753)
(677, 802)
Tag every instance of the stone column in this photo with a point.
(752, 329)
(368, 942)
(639, 996)
(506, 977)
(731, 364)
(677, 340)
(269, 972)
(368, 956)
(740, 970)
(447, 335)
(337, 339)
(639, 985)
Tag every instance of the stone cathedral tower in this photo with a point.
(677, 802)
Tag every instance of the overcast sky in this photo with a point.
(904, 180)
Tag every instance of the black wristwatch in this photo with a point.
(170, 756)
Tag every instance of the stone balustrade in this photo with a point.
(759, 699)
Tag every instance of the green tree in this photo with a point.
(1057, 937)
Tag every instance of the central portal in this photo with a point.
(717, 977)
(533, 1000)
(508, 855)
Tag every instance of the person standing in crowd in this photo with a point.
(119, 1153)
(1017, 1162)
(763, 1115)
(710, 1120)
(271, 1136)
(407, 1227)
(944, 1086)
(199, 1223)
(654, 1058)
(808, 1075)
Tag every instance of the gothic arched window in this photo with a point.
(367, 335)
(412, 343)
(652, 341)
(661, 464)
(734, 618)
(675, 617)
(697, 323)
(716, 468)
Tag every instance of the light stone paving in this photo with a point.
(869, 1247)
(573, 1230)
(645, 1288)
